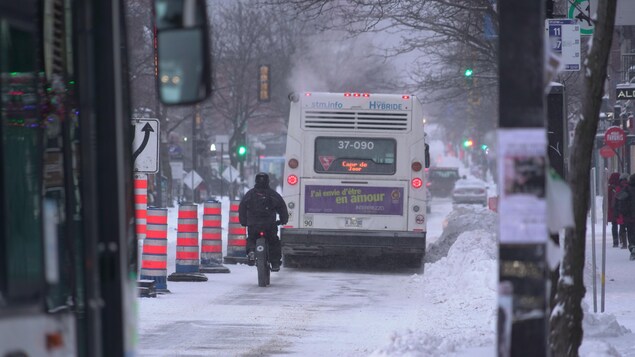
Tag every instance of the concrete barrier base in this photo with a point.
(214, 269)
(234, 260)
(187, 277)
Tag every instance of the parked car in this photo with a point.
(470, 190)
(441, 180)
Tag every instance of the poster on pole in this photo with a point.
(522, 202)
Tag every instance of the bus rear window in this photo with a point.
(354, 155)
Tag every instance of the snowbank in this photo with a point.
(463, 305)
(463, 218)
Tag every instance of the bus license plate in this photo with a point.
(353, 222)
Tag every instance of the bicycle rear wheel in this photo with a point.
(262, 262)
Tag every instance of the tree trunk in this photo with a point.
(566, 318)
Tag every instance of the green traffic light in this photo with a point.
(242, 150)
(468, 72)
(484, 147)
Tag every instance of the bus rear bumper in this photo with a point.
(330, 242)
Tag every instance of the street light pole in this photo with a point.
(196, 125)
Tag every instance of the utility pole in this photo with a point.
(522, 150)
(196, 128)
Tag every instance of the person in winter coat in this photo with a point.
(629, 217)
(257, 211)
(611, 216)
(619, 218)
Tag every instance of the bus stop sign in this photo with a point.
(614, 137)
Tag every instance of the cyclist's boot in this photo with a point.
(251, 258)
(275, 266)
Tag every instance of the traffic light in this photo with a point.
(468, 74)
(241, 152)
(241, 148)
(484, 147)
(263, 83)
(468, 143)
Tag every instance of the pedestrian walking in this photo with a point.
(625, 205)
(611, 216)
(623, 183)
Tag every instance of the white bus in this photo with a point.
(354, 177)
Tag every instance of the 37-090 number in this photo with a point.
(356, 145)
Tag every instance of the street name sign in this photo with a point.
(145, 145)
(564, 41)
(625, 91)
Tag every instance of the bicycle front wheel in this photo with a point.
(262, 262)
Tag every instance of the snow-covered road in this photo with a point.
(303, 312)
(328, 312)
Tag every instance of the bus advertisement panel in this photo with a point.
(353, 200)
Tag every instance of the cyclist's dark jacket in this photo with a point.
(279, 207)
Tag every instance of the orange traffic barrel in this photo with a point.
(154, 258)
(140, 203)
(212, 239)
(187, 259)
(236, 237)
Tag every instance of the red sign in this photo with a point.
(606, 151)
(614, 137)
(326, 161)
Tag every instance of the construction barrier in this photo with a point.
(140, 203)
(212, 239)
(236, 237)
(187, 257)
(154, 258)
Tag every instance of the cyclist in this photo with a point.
(257, 211)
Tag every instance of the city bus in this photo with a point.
(68, 257)
(354, 177)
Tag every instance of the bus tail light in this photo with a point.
(416, 182)
(293, 163)
(292, 179)
(416, 166)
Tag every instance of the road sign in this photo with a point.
(614, 137)
(581, 10)
(623, 13)
(192, 179)
(231, 174)
(145, 145)
(564, 41)
(606, 152)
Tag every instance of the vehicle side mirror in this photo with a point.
(182, 45)
(427, 156)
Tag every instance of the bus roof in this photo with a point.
(364, 101)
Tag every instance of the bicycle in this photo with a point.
(262, 259)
